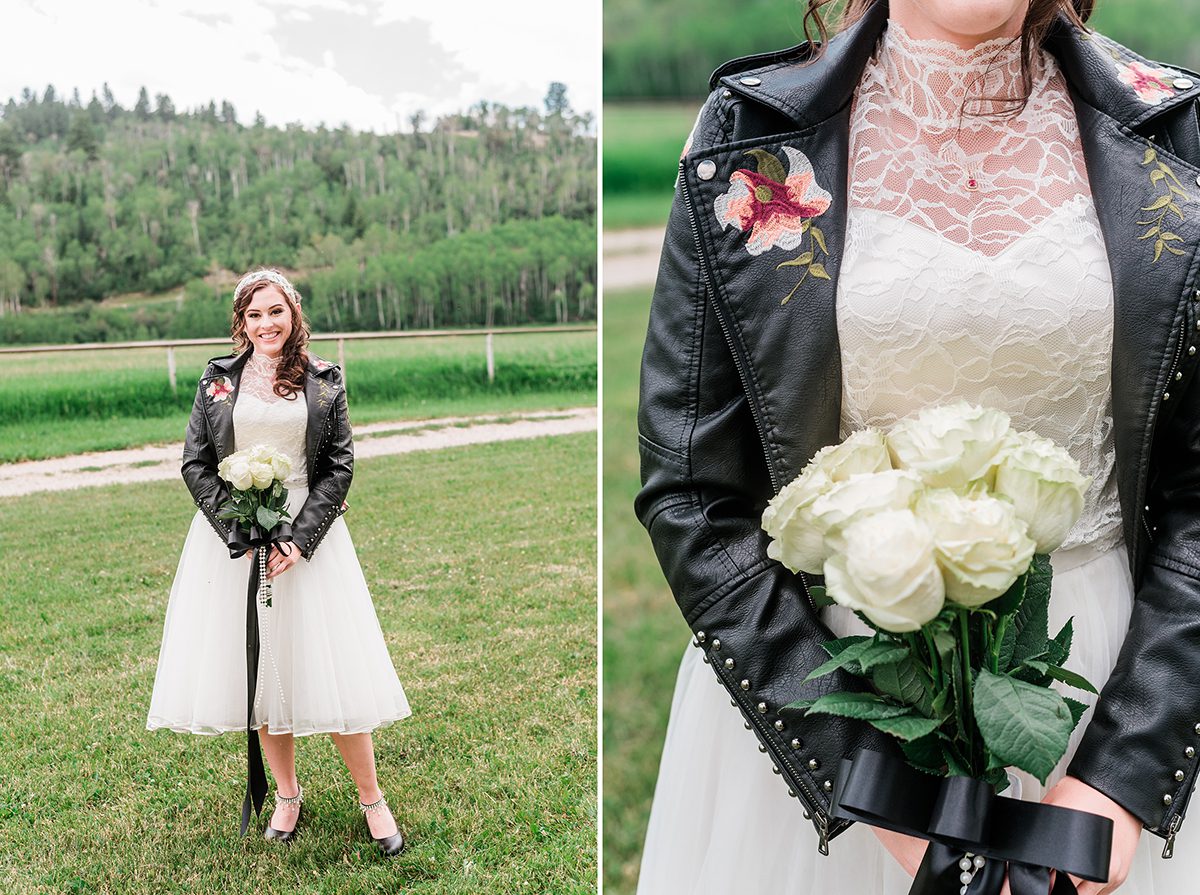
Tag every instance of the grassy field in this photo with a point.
(51, 404)
(642, 142)
(486, 594)
(644, 634)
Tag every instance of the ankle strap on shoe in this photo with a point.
(297, 799)
(377, 805)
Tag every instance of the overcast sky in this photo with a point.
(368, 63)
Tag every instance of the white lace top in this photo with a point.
(262, 417)
(974, 264)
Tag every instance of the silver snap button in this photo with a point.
(1182, 83)
(750, 82)
(1198, 179)
(706, 170)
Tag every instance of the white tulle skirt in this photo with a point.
(723, 822)
(323, 663)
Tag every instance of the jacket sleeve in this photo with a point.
(332, 472)
(1142, 745)
(704, 486)
(199, 466)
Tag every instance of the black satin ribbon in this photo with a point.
(959, 815)
(239, 542)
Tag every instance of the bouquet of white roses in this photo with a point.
(937, 534)
(257, 506)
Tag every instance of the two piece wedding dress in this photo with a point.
(974, 268)
(323, 663)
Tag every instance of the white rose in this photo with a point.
(980, 544)
(949, 445)
(863, 451)
(797, 541)
(1045, 486)
(281, 465)
(258, 453)
(262, 474)
(859, 496)
(239, 472)
(888, 571)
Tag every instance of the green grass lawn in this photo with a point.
(644, 634)
(485, 590)
(65, 403)
(642, 142)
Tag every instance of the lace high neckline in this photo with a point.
(264, 363)
(942, 83)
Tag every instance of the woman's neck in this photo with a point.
(965, 31)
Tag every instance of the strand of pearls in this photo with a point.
(969, 864)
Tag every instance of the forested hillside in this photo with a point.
(482, 217)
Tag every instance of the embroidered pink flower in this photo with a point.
(320, 364)
(771, 204)
(220, 389)
(1152, 85)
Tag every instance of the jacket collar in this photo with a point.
(229, 363)
(1092, 64)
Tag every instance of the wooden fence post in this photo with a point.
(342, 359)
(491, 360)
(171, 369)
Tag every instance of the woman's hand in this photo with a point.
(909, 851)
(1071, 792)
(279, 562)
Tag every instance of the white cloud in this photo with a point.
(368, 64)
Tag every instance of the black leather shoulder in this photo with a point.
(791, 55)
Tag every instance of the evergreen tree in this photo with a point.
(82, 136)
(142, 108)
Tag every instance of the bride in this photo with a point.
(947, 200)
(323, 666)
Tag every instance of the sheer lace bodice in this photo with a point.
(262, 417)
(997, 291)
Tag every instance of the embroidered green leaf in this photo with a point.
(819, 238)
(1160, 202)
(1173, 250)
(1156, 176)
(1171, 206)
(1168, 236)
(1153, 231)
(1150, 156)
(799, 261)
(769, 166)
(805, 224)
(1169, 173)
(818, 270)
(1158, 247)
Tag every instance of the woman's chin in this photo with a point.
(270, 349)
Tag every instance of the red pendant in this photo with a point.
(972, 184)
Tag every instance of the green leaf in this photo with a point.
(925, 754)
(1158, 247)
(1160, 202)
(769, 165)
(1058, 673)
(1174, 251)
(1175, 208)
(802, 705)
(1153, 231)
(818, 270)
(266, 518)
(819, 597)
(954, 766)
(1156, 176)
(997, 779)
(1168, 236)
(843, 658)
(864, 706)
(1025, 637)
(1023, 725)
(882, 654)
(1076, 708)
(799, 261)
(1150, 156)
(229, 513)
(1059, 649)
(906, 727)
(833, 647)
(900, 680)
(819, 238)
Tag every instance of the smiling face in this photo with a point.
(964, 22)
(268, 320)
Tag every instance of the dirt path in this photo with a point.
(631, 257)
(159, 462)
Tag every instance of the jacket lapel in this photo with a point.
(320, 393)
(220, 394)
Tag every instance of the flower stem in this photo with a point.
(968, 715)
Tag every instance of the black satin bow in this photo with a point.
(960, 815)
(239, 542)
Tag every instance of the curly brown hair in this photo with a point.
(293, 357)
(1039, 19)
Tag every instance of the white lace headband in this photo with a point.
(272, 276)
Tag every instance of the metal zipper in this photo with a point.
(820, 818)
(1169, 848)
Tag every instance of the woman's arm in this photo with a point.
(199, 466)
(704, 486)
(333, 469)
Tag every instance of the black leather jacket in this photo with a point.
(328, 444)
(739, 392)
